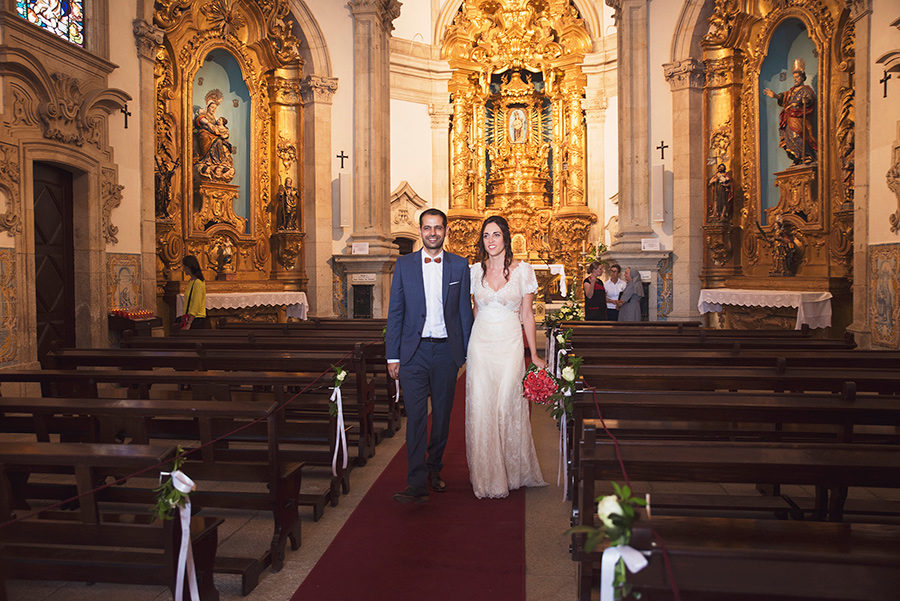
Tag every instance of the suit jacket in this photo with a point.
(406, 311)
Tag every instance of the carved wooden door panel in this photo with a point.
(54, 265)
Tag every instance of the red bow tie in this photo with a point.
(429, 260)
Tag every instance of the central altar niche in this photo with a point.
(518, 131)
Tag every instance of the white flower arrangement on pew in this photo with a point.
(617, 514)
(339, 375)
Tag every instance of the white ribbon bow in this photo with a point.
(634, 561)
(551, 353)
(562, 473)
(341, 434)
(185, 554)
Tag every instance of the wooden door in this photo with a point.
(54, 265)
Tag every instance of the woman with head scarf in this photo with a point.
(631, 296)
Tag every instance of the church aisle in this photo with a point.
(453, 547)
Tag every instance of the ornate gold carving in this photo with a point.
(718, 244)
(287, 247)
(9, 188)
(287, 152)
(286, 91)
(169, 248)
(223, 16)
(720, 142)
(517, 92)
(284, 44)
(111, 196)
(840, 241)
(722, 22)
(8, 334)
(799, 196)
(167, 13)
(754, 318)
(217, 206)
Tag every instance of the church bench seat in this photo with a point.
(691, 415)
(779, 358)
(830, 467)
(721, 559)
(639, 341)
(695, 377)
(89, 543)
(143, 421)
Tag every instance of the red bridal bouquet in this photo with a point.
(540, 386)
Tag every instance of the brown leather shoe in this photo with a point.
(436, 483)
(411, 495)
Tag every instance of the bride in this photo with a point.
(499, 445)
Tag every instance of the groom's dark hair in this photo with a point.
(437, 212)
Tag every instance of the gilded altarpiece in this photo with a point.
(518, 133)
(199, 185)
(801, 240)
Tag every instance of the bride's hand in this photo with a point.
(538, 361)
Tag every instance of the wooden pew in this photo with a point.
(827, 466)
(220, 385)
(143, 421)
(728, 416)
(737, 343)
(778, 358)
(242, 360)
(719, 559)
(692, 377)
(256, 342)
(91, 544)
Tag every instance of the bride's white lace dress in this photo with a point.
(499, 444)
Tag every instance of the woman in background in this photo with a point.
(594, 294)
(630, 310)
(194, 317)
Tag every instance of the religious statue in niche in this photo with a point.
(722, 195)
(212, 153)
(163, 180)
(786, 245)
(797, 117)
(287, 206)
(517, 126)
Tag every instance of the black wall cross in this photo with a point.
(124, 110)
(342, 156)
(662, 149)
(884, 81)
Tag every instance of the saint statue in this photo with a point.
(212, 153)
(517, 126)
(786, 245)
(288, 219)
(797, 117)
(722, 195)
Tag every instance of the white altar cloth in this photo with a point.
(555, 269)
(813, 308)
(295, 303)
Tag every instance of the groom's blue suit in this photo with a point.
(427, 366)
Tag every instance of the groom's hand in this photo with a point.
(394, 370)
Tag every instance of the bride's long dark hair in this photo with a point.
(507, 246)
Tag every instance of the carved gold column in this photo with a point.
(466, 173)
(287, 230)
(723, 96)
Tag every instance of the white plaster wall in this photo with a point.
(336, 23)
(663, 19)
(611, 160)
(885, 126)
(414, 22)
(411, 156)
(125, 142)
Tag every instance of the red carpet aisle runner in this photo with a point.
(455, 547)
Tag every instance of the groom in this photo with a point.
(429, 320)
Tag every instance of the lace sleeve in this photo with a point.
(474, 275)
(529, 281)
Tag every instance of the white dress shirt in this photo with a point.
(432, 275)
(613, 290)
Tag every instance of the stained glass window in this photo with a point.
(65, 18)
